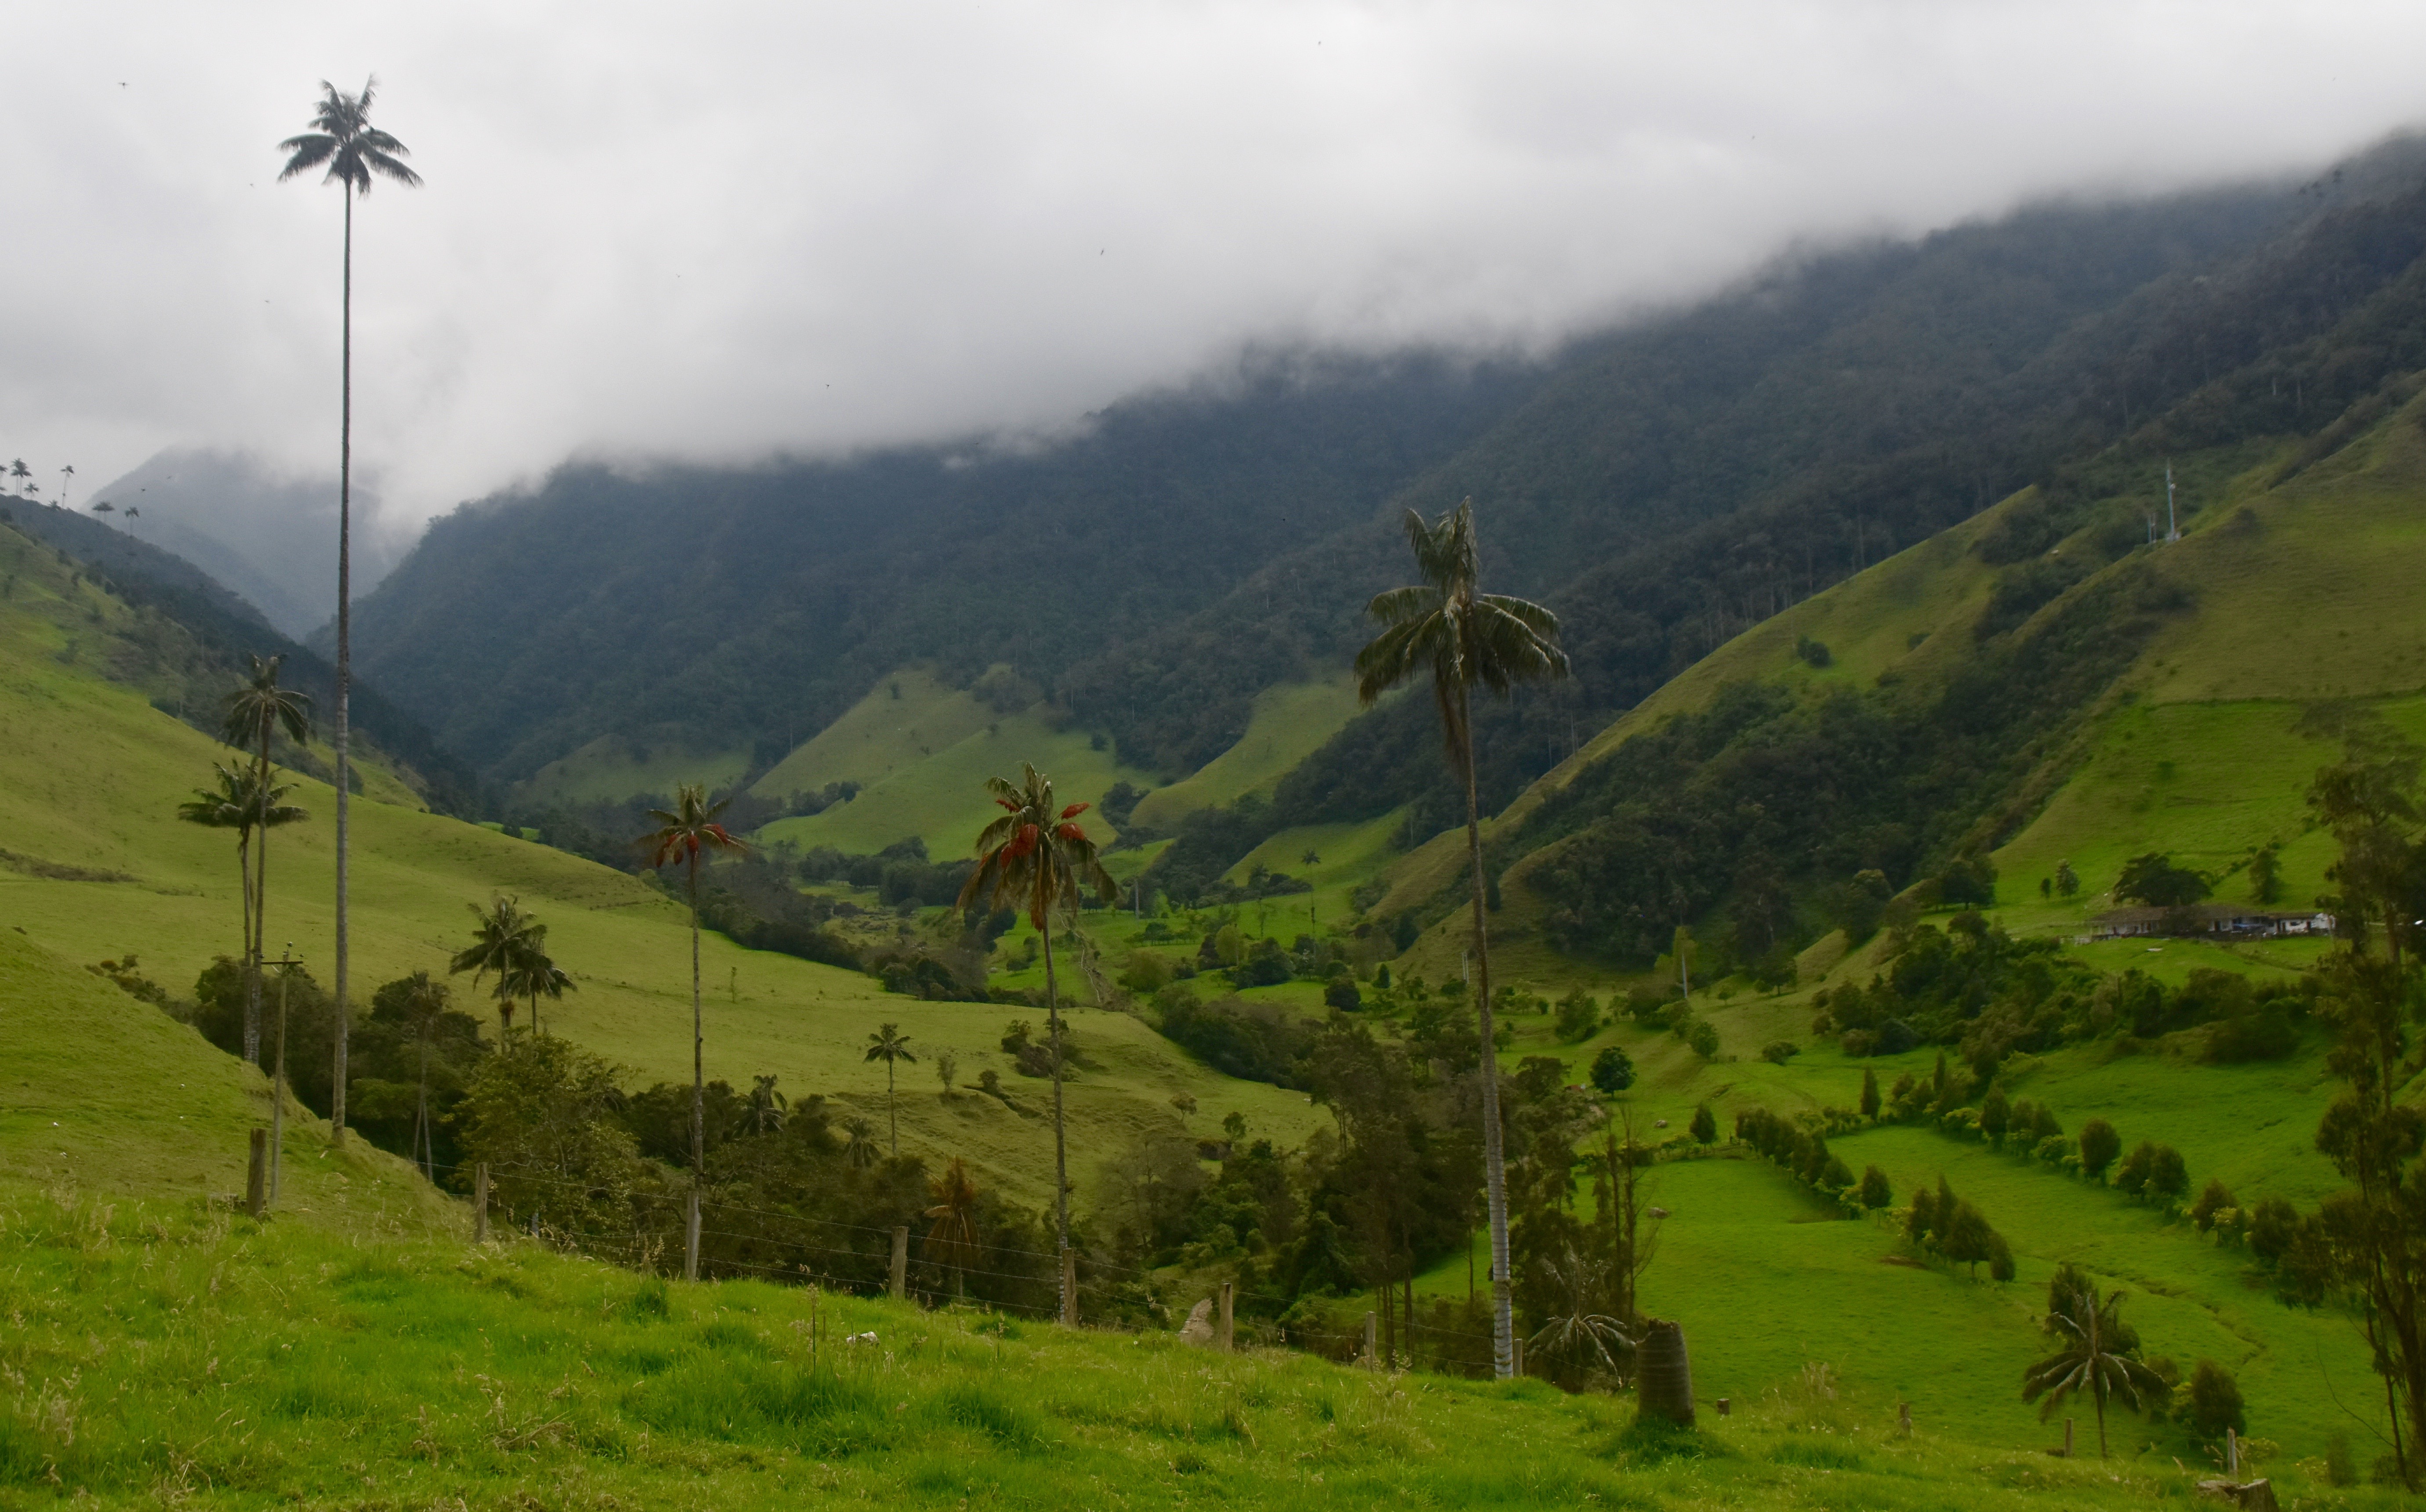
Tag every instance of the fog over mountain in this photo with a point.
(717, 234)
(271, 536)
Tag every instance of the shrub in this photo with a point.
(1876, 1191)
(1612, 1071)
(2273, 1225)
(2053, 1148)
(1869, 1093)
(1578, 1016)
(1342, 994)
(2099, 1145)
(1705, 1127)
(1778, 1051)
(2267, 1033)
(2212, 1198)
(2215, 1401)
(1703, 1036)
(1995, 1114)
(2168, 1175)
(2133, 1175)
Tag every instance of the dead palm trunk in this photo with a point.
(278, 1088)
(1495, 1159)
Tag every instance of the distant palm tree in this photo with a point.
(889, 1044)
(861, 1147)
(540, 978)
(683, 832)
(1036, 858)
(66, 477)
(19, 471)
(2089, 1358)
(501, 947)
(768, 1110)
(354, 152)
(952, 1243)
(250, 716)
(1464, 638)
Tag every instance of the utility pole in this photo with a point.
(2173, 532)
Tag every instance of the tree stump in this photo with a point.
(2256, 1496)
(1198, 1330)
(1664, 1377)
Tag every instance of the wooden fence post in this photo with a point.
(1371, 1362)
(480, 1204)
(256, 1179)
(1516, 1358)
(1069, 1287)
(2067, 1437)
(1903, 1419)
(900, 1260)
(2231, 1454)
(1229, 1338)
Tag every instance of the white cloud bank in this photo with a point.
(715, 231)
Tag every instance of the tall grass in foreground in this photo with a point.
(160, 1353)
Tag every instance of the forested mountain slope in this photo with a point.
(2039, 685)
(750, 607)
(1665, 484)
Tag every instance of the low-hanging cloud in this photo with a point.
(712, 232)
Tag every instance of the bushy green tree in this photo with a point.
(1701, 1036)
(1869, 1093)
(2099, 1145)
(1612, 1071)
(1876, 1193)
(2215, 1402)
(545, 1121)
(1578, 1016)
(1705, 1127)
(2213, 1199)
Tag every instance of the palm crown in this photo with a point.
(1034, 857)
(353, 148)
(503, 939)
(260, 708)
(687, 829)
(1464, 638)
(2092, 1355)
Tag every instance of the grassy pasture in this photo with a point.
(92, 774)
(940, 796)
(172, 1357)
(1289, 723)
(614, 767)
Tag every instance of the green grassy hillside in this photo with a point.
(1288, 724)
(96, 866)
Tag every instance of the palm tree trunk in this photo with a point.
(698, 1092)
(892, 1113)
(1060, 1150)
(421, 1110)
(260, 930)
(251, 1029)
(345, 661)
(1495, 1155)
(278, 1092)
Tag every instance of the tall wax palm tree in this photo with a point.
(250, 716)
(540, 978)
(354, 152)
(889, 1044)
(501, 946)
(1463, 638)
(952, 1243)
(1036, 858)
(768, 1111)
(682, 833)
(2091, 1356)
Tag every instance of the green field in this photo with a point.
(1288, 724)
(922, 760)
(614, 767)
(93, 774)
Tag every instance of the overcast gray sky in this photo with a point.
(715, 231)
